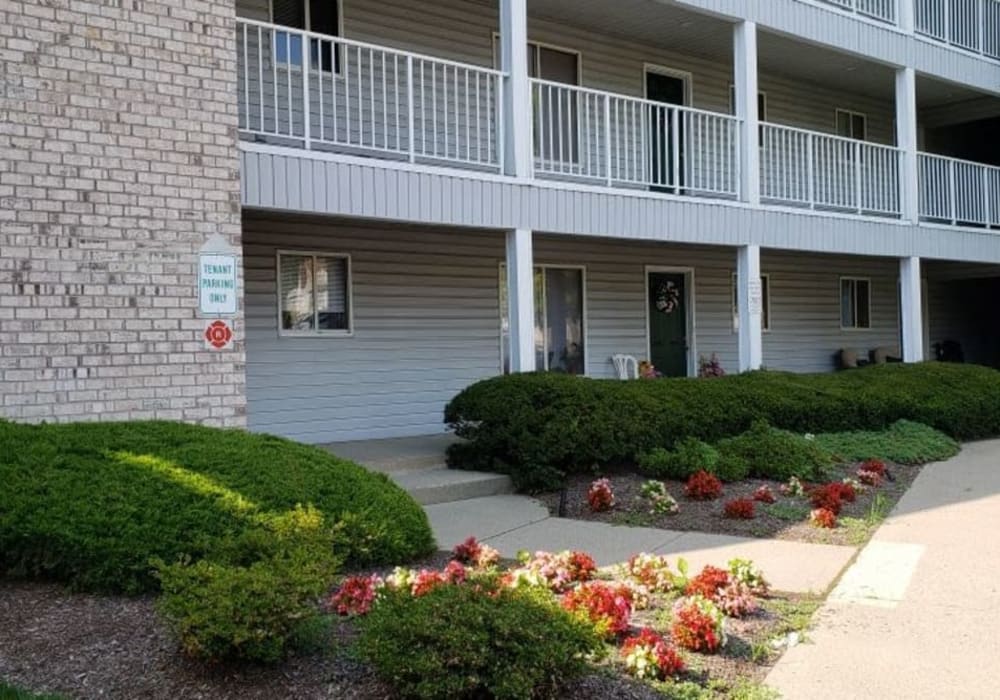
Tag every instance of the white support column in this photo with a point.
(911, 309)
(516, 88)
(521, 300)
(745, 80)
(905, 15)
(750, 297)
(906, 140)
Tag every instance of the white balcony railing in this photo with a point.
(958, 192)
(884, 10)
(973, 25)
(810, 169)
(590, 135)
(324, 92)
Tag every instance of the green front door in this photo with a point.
(668, 324)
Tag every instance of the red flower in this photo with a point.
(740, 508)
(703, 486)
(764, 494)
(668, 661)
(874, 465)
(467, 552)
(608, 607)
(355, 595)
(695, 627)
(823, 517)
(708, 583)
(600, 496)
(831, 496)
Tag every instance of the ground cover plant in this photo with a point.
(541, 427)
(94, 504)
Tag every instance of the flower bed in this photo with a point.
(780, 511)
(655, 622)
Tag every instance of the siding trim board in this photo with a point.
(375, 189)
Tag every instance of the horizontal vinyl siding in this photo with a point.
(805, 309)
(426, 319)
(616, 294)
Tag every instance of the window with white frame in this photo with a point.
(319, 16)
(765, 316)
(559, 320)
(314, 293)
(855, 303)
(852, 125)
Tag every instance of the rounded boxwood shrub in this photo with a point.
(689, 455)
(254, 599)
(771, 453)
(539, 427)
(463, 642)
(92, 504)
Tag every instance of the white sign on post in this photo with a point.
(217, 284)
(756, 297)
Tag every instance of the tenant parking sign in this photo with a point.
(217, 284)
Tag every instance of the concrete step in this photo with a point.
(443, 485)
(392, 455)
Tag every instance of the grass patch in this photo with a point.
(795, 615)
(10, 692)
(786, 511)
(859, 530)
(904, 442)
(92, 504)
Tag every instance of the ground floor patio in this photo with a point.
(361, 329)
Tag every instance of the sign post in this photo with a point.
(217, 291)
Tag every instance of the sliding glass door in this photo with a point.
(559, 320)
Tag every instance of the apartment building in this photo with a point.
(422, 195)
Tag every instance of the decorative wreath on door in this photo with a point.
(668, 297)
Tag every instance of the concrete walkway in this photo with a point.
(918, 614)
(513, 523)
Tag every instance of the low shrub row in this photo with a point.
(242, 533)
(539, 427)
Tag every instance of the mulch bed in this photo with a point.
(787, 519)
(88, 646)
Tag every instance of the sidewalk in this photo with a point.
(512, 523)
(918, 614)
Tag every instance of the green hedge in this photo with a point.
(538, 427)
(93, 503)
(463, 642)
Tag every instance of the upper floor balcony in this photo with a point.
(970, 25)
(330, 94)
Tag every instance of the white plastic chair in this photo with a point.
(626, 366)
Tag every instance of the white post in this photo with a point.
(911, 309)
(905, 18)
(750, 298)
(906, 141)
(521, 300)
(745, 80)
(517, 89)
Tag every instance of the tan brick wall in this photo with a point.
(118, 158)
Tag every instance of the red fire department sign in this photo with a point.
(218, 335)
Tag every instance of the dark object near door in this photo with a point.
(949, 351)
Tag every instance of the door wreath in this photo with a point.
(667, 298)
